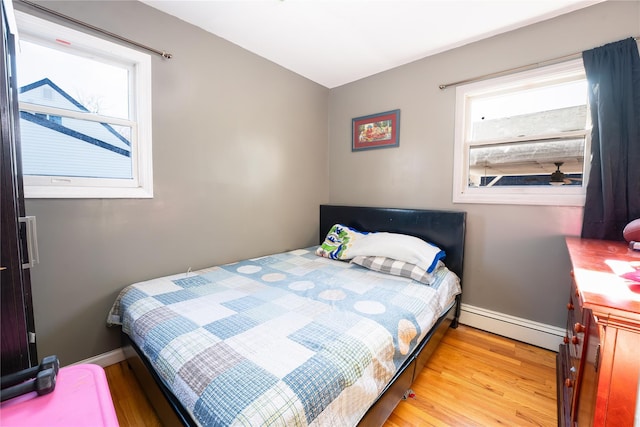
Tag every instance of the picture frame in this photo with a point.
(380, 130)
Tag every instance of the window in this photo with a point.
(523, 138)
(85, 114)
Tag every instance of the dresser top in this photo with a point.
(597, 266)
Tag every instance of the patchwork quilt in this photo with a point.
(291, 339)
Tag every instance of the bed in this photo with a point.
(296, 338)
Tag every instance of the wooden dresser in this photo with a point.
(598, 366)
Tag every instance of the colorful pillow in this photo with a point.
(338, 239)
(395, 246)
(397, 268)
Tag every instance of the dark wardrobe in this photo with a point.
(17, 335)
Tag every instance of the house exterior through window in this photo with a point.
(85, 114)
(523, 138)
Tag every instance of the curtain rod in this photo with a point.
(516, 69)
(99, 30)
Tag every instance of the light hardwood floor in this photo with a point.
(474, 378)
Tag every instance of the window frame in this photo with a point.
(567, 195)
(37, 30)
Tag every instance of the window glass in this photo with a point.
(61, 146)
(76, 81)
(525, 161)
(85, 114)
(522, 138)
(524, 112)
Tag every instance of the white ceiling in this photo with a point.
(334, 42)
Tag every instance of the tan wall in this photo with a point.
(516, 261)
(240, 167)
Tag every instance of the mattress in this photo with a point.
(289, 339)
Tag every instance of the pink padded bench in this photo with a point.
(81, 398)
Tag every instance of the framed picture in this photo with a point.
(376, 131)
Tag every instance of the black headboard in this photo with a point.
(446, 229)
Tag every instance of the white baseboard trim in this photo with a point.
(105, 359)
(534, 333)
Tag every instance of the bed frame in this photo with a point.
(446, 229)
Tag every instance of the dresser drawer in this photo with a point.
(575, 341)
(575, 334)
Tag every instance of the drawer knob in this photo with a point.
(579, 328)
(568, 383)
(575, 340)
(570, 306)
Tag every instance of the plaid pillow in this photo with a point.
(397, 268)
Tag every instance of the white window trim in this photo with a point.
(141, 186)
(521, 195)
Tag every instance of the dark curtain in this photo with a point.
(613, 190)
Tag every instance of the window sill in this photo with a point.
(522, 199)
(36, 192)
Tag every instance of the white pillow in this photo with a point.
(397, 246)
